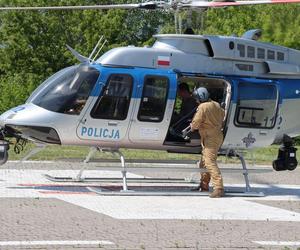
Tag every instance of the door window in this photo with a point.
(114, 102)
(257, 105)
(154, 99)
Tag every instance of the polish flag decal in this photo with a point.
(163, 61)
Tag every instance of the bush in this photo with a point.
(16, 89)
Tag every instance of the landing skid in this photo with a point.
(167, 190)
(116, 180)
(134, 192)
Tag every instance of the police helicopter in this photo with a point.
(126, 98)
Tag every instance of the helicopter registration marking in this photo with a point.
(100, 133)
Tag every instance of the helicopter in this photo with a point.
(126, 98)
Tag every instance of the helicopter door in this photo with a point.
(153, 110)
(107, 120)
(253, 117)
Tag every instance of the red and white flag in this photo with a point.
(163, 61)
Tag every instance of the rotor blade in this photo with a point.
(157, 4)
(227, 3)
(146, 5)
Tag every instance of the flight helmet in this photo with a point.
(201, 94)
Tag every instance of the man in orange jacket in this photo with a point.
(208, 120)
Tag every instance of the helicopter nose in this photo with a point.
(28, 121)
(11, 114)
(3, 118)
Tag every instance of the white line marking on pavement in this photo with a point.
(278, 243)
(55, 242)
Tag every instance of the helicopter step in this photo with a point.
(124, 188)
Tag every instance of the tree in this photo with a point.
(33, 43)
(279, 23)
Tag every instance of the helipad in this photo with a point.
(36, 212)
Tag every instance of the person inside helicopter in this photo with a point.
(188, 103)
(182, 116)
(185, 107)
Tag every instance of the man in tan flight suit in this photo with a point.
(208, 120)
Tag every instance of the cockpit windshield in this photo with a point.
(67, 91)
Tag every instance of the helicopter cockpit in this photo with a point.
(67, 91)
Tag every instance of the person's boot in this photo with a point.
(217, 193)
(204, 187)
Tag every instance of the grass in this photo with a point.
(258, 156)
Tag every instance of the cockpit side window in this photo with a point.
(115, 99)
(69, 92)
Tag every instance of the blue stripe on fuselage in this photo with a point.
(288, 88)
(138, 75)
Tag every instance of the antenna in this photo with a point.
(105, 41)
(99, 44)
(176, 21)
(94, 50)
(180, 23)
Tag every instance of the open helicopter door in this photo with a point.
(186, 106)
(253, 114)
(154, 106)
(106, 121)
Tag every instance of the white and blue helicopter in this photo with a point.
(126, 98)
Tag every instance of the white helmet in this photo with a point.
(201, 94)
